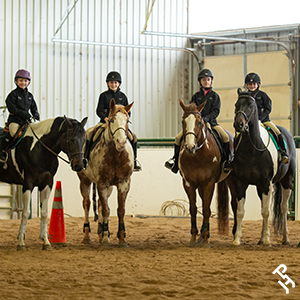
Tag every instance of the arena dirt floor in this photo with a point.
(158, 264)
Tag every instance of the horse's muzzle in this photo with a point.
(240, 126)
(190, 150)
(79, 167)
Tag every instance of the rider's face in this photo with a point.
(206, 81)
(113, 85)
(252, 86)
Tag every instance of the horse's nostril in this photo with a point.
(78, 168)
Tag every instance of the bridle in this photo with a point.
(197, 136)
(70, 154)
(247, 120)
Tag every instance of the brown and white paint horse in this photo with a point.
(110, 164)
(200, 168)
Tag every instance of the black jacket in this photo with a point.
(19, 102)
(212, 107)
(104, 101)
(264, 105)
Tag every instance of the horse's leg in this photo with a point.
(104, 213)
(284, 209)
(44, 196)
(122, 194)
(206, 195)
(25, 216)
(191, 192)
(85, 186)
(265, 207)
(234, 202)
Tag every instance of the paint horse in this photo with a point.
(200, 161)
(33, 162)
(256, 163)
(110, 164)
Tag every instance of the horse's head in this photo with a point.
(118, 123)
(74, 141)
(245, 111)
(193, 126)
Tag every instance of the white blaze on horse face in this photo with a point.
(119, 135)
(190, 128)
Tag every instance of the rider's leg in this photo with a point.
(172, 163)
(281, 144)
(133, 140)
(6, 141)
(227, 166)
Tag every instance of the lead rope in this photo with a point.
(57, 155)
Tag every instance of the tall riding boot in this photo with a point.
(87, 149)
(137, 166)
(4, 145)
(172, 163)
(281, 144)
(227, 165)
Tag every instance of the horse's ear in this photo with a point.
(183, 106)
(68, 122)
(128, 107)
(112, 104)
(239, 91)
(201, 106)
(83, 122)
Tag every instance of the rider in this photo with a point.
(114, 80)
(264, 105)
(19, 102)
(209, 113)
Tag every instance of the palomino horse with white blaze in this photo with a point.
(110, 164)
(256, 163)
(200, 161)
(33, 162)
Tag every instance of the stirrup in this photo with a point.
(227, 166)
(137, 166)
(284, 158)
(170, 163)
(3, 157)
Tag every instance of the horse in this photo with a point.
(33, 162)
(110, 164)
(200, 161)
(256, 163)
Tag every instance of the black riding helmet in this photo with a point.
(205, 73)
(114, 76)
(252, 78)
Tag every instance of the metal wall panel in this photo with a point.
(67, 78)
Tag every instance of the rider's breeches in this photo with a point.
(13, 128)
(178, 138)
(223, 134)
(272, 126)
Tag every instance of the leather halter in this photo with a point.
(193, 133)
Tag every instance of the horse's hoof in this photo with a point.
(266, 245)
(123, 245)
(86, 241)
(192, 244)
(260, 242)
(235, 245)
(105, 244)
(47, 247)
(21, 248)
(206, 245)
(286, 243)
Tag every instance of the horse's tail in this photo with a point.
(277, 214)
(223, 208)
(95, 202)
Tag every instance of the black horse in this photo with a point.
(256, 163)
(33, 162)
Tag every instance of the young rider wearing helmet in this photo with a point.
(209, 113)
(19, 102)
(114, 80)
(264, 105)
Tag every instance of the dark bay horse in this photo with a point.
(256, 163)
(200, 168)
(33, 162)
(110, 164)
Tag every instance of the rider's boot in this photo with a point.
(172, 163)
(4, 145)
(227, 165)
(281, 144)
(137, 166)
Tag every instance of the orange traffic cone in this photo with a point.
(57, 233)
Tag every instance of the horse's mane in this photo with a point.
(191, 107)
(118, 108)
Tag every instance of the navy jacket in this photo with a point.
(212, 107)
(264, 105)
(19, 102)
(104, 101)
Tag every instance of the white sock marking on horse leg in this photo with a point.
(284, 210)
(25, 216)
(265, 208)
(240, 215)
(44, 196)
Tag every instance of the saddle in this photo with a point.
(18, 136)
(219, 141)
(273, 136)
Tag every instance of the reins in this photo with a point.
(50, 150)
